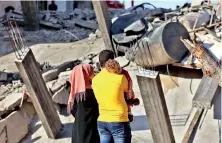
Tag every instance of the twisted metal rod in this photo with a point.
(17, 39)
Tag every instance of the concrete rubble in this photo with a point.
(15, 105)
(16, 110)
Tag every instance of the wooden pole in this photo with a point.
(30, 13)
(104, 21)
(155, 107)
(39, 94)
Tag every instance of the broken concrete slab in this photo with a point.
(49, 84)
(77, 11)
(92, 37)
(50, 25)
(50, 75)
(3, 76)
(17, 127)
(61, 96)
(27, 111)
(58, 85)
(67, 65)
(86, 24)
(53, 20)
(12, 100)
(98, 33)
(3, 137)
(65, 74)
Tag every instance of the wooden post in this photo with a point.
(30, 13)
(155, 107)
(39, 94)
(104, 21)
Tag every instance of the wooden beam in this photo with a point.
(39, 94)
(104, 22)
(155, 107)
(30, 13)
(205, 93)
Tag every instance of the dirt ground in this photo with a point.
(178, 99)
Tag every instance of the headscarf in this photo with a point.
(80, 81)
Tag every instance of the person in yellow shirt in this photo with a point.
(109, 88)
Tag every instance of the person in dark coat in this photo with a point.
(83, 105)
(53, 6)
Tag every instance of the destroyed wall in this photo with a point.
(4, 4)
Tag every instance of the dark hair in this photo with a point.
(104, 56)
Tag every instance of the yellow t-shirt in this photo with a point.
(109, 91)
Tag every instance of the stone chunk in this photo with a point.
(61, 96)
(12, 100)
(58, 85)
(92, 37)
(2, 131)
(3, 76)
(50, 75)
(98, 33)
(27, 111)
(17, 127)
(86, 24)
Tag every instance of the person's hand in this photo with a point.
(69, 107)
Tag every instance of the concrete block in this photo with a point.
(65, 74)
(3, 131)
(17, 127)
(50, 75)
(98, 33)
(12, 100)
(3, 76)
(77, 11)
(86, 24)
(58, 85)
(27, 111)
(61, 96)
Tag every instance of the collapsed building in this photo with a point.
(150, 38)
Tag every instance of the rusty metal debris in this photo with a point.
(211, 67)
(17, 39)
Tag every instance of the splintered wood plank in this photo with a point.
(205, 93)
(156, 109)
(39, 94)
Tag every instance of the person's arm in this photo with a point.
(130, 93)
(124, 84)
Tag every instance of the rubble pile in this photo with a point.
(16, 107)
(161, 29)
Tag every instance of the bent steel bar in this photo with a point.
(17, 39)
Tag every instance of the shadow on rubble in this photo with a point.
(33, 127)
(66, 131)
(140, 123)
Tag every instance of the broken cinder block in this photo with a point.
(61, 96)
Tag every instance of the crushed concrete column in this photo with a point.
(30, 13)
